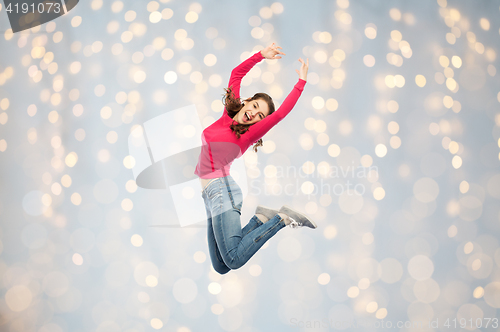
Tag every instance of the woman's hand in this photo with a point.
(303, 69)
(271, 51)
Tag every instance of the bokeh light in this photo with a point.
(393, 149)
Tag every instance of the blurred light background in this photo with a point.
(404, 92)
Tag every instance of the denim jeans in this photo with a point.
(230, 246)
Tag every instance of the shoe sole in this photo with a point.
(272, 211)
(300, 213)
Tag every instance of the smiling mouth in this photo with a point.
(246, 115)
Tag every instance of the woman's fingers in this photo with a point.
(277, 51)
(304, 64)
(304, 67)
(271, 51)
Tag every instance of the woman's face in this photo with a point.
(252, 111)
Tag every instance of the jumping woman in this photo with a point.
(242, 124)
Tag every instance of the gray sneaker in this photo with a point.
(297, 219)
(267, 212)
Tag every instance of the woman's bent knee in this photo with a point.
(235, 264)
(221, 269)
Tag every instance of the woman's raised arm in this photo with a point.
(259, 129)
(243, 68)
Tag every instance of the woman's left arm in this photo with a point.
(259, 129)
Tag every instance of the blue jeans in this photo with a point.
(230, 246)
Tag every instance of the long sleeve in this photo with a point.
(259, 129)
(241, 70)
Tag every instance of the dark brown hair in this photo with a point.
(234, 105)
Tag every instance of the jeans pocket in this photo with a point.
(213, 190)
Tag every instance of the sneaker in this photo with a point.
(267, 212)
(297, 219)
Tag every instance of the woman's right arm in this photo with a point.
(240, 71)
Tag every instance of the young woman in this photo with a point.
(241, 125)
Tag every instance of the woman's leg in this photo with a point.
(237, 247)
(252, 224)
(215, 256)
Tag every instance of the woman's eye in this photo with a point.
(254, 106)
(261, 116)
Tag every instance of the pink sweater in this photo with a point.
(220, 146)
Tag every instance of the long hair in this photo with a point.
(234, 105)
